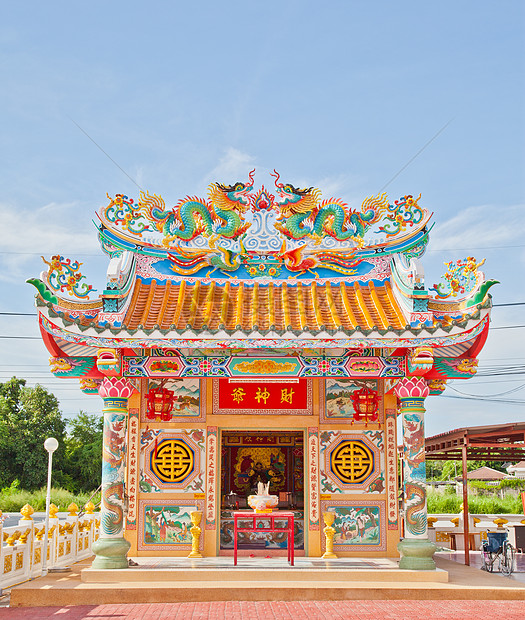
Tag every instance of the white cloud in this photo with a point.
(233, 166)
(51, 229)
(482, 226)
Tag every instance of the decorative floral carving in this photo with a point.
(116, 388)
(64, 275)
(412, 387)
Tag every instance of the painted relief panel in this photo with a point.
(172, 460)
(359, 525)
(338, 404)
(351, 462)
(186, 399)
(262, 398)
(166, 525)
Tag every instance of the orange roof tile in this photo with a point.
(236, 305)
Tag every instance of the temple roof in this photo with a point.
(248, 307)
(245, 270)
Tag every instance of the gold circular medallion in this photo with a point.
(172, 461)
(352, 462)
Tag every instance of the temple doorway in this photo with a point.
(249, 457)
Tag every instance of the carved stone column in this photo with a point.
(111, 547)
(416, 549)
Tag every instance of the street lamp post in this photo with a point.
(50, 444)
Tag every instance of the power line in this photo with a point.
(19, 313)
(488, 400)
(508, 327)
(106, 154)
(484, 396)
(416, 155)
(490, 247)
(22, 337)
(100, 254)
(516, 303)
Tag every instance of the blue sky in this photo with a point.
(340, 95)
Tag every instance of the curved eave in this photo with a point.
(358, 338)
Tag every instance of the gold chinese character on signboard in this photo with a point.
(263, 395)
(286, 395)
(238, 394)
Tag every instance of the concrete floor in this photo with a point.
(475, 562)
(464, 583)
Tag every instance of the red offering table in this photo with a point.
(272, 517)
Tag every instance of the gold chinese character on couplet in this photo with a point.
(238, 394)
(287, 395)
(262, 394)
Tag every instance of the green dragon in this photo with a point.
(113, 517)
(222, 214)
(302, 215)
(415, 513)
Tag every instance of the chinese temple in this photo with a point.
(269, 336)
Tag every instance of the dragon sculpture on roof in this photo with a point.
(303, 215)
(221, 215)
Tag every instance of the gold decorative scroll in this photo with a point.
(264, 367)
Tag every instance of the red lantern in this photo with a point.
(366, 404)
(160, 402)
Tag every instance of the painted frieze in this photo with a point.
(359, 525)
(186, 400)
(166, 525)
(338, 404)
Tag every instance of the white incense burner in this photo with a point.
(263, 501)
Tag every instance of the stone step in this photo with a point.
(257, 575)
(83, 593)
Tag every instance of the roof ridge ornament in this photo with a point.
(64, 275)
(257, 234)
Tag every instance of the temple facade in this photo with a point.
(263, 336)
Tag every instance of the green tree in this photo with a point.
(450, 467)
(84, 452)
(27, 417)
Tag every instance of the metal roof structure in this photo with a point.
(497, 442)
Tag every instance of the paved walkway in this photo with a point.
(311, 610)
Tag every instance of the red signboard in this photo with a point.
(261, 397)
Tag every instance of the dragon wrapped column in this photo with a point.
(416, 549)
(412, 393)
(111, 548)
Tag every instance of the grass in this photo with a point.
(438, 502)
(12, 499)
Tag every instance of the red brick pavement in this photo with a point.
(308, 610)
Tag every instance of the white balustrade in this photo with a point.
(21, 546)
(442, 526)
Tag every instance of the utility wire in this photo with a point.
(416, 155)
(489, 247)
(516, 389)
(106, 154)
